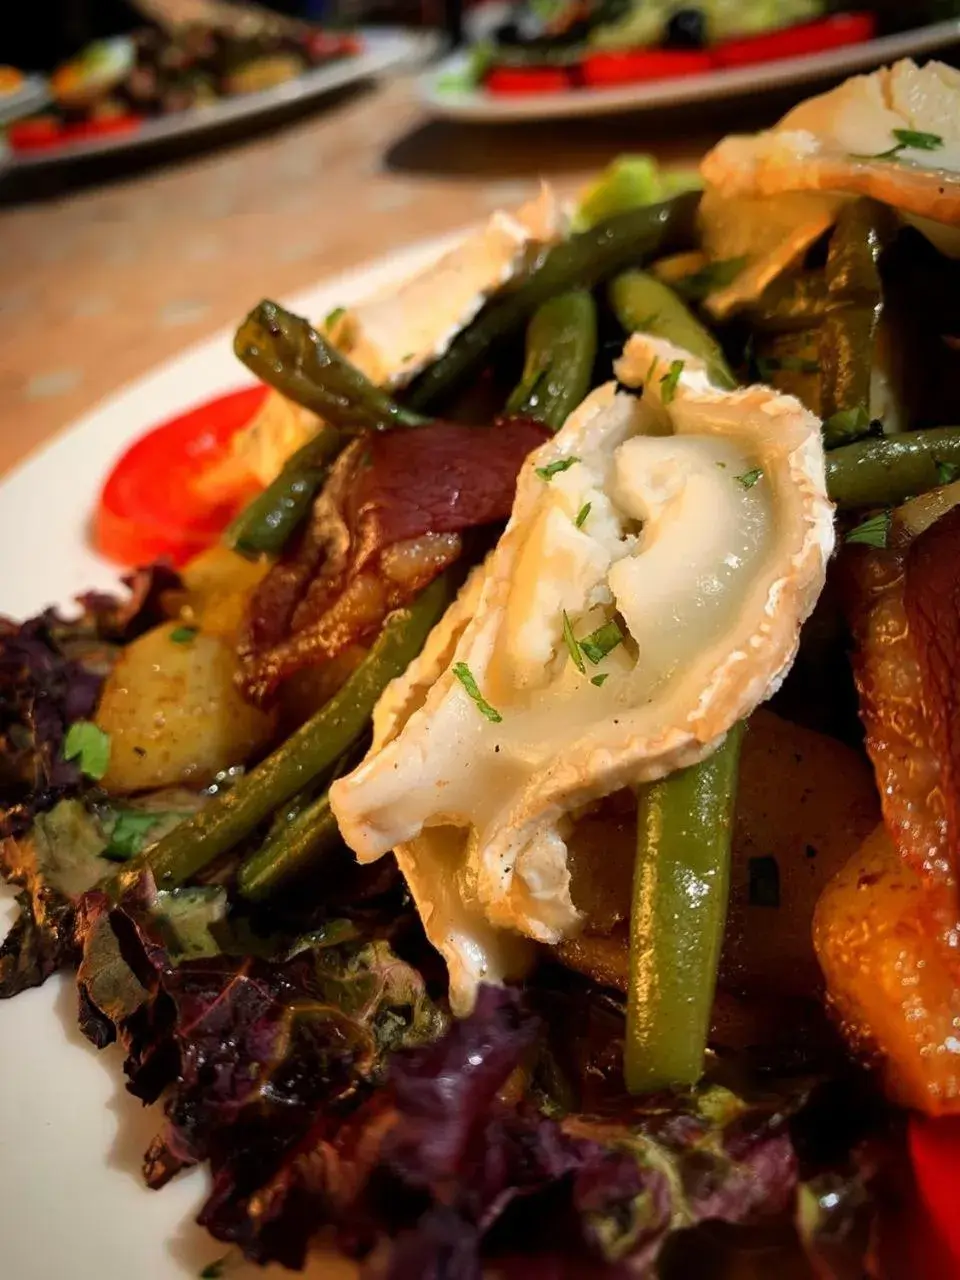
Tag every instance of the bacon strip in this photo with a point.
(386, 524)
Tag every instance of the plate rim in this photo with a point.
(473, 106)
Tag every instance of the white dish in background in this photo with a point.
(32, 95)
(483, 107)
(384, 48)
(72, 1203)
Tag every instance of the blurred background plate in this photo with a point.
(437, 89)
(384, 48)
(31, 96)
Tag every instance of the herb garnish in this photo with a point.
(183, 635)
(554, 468)
(947, 472)
(336, 314)
(749, 478)
(582, 514)
(715, 275)
(668, 383)
(873, 532)
(847, 425)
(465, 676)
(599, 643)
(570, 640)
(128, 835)
(914, 138)
(598, 680)
(89, 746)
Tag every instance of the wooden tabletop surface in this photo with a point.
(99, 285)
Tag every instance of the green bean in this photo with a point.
(583, 260)
(887, 470)
(790, 303)
(286, 352)
(680, 888)
(279, 861)
(644, 304)
(561, 349)
(266, 524)
(317, 745)
(849, 328)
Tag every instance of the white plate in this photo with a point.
(476, 104)
(31, 96)
(72, 1203)
(383, 48)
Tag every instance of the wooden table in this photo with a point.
(99, 286)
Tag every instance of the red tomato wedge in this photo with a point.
(507, 80)
(935, 1152)
(152, 505)
(633, 66)
(46, 132)
(795, 42)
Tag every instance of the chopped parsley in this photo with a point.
(128, 835)
(873, 532)
(669, 381)
(715, 275)
(465, 676)
(582, 515)
(183, 635)
(598, 680)
(913, 138)
(652, 369)
(336, 314)
(89, 746)
(749, 478)
(570, 640)
(947, 472)
(554, 468)
(599, 643)
(214, 1270)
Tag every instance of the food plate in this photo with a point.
(384, 47)
(71, 1138)
(32, 95)
(476, 104)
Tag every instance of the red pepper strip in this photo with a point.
(797, 42)
(46, 132)
(509, 80)
(151, 505)
(935, 1152)
(633, 66)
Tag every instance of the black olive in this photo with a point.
(687, 29)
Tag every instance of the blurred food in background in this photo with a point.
(193, 53)
(552, 45)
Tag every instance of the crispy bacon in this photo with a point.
(386, 524)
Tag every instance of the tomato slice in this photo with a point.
(632, 66)
(935, 1152)
(795, 42)
(507, 80)
(152, 506)
(36, 134)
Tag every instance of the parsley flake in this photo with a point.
(914, 138)
(749, 478)
(570, 640)
(873, 532)
(598, 680)
(847, 425)
(947, 472)
(128, 835)
(669, 381)
(89, 746)
(183, 635)
(336, 314)
(465, 676)
(582, 515)
(599, 643)
(214, 1270)
(554, 468)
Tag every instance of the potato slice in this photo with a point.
(174, 715)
